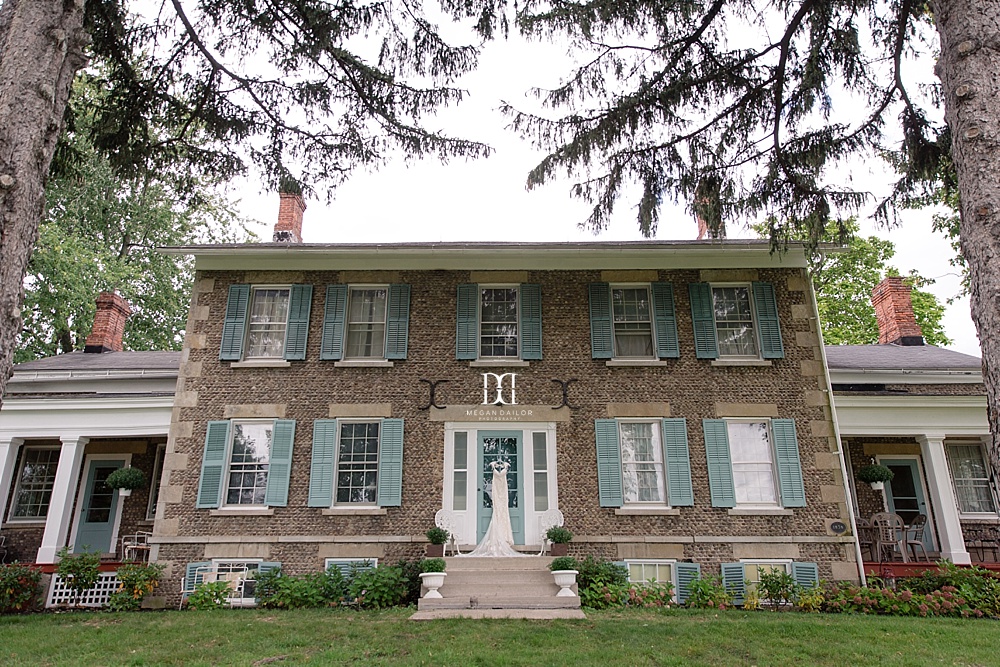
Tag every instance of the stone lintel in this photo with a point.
(635, 276)
(360, 410)
(255, 411)
(498, 277)
(746, 410)
(638, 410)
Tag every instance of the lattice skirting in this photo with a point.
(60, 594)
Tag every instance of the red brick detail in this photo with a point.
(288, 229)
(894, 313)
(109, 324)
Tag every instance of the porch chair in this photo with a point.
(549, 519)
(446, 520)
(915, 537)
(983, 539)
(890, 536)
(866, 537)
(136, 546)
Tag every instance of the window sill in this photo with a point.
(647, 511)
(251, 511)
(635, 362)
(363, 363)
(761, 511)
(499, 363)
(742, 362)
(24, 523)
(980, 518)
(265, 363)
(355, 511)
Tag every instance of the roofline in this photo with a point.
(905, 376)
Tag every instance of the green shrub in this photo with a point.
(558, 535)
(564, 563)
(851, 599)
(378, 588)
(275, 590)
(709, 593)
(411, 570)
(602, 583)
(209, 595)
(432, 565)
(810, 599)
(650, 595)
(20, 588)
(437, 535)
(80, 572)
(135, 581)
(778, 588)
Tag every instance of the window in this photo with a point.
(239, 574)
(642, 463)
(499, 322)
(460, 494)
(740, 577)
(365, 323)
(356, 463)
(650, 571)
(35, 479)
(154, 486)
(246, 463)
(971, 478)
(266, 322)
(636, 458)
(632, 322)
(737, 322)
(753, 463)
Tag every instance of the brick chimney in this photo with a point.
(894, 312)
(109, 324)
(288, 229)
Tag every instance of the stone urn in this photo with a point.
(432, 581)
(565, 580)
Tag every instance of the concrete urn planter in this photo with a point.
(432, 581)
(564, 580)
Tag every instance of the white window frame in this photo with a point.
(672, 562)
(154, 483)
(986, 463)
(517, 321)
(773, 462)
(351, 289)
(229, 463)
(341, 422)
(753, 322)
(786, 563)
(658, 450)
(22, 459)
(652, 326)
(235, 565)
(247, 356)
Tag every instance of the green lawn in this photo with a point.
(610, 639)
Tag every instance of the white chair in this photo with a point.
(446, 520)
(136, 547)
(549, 519)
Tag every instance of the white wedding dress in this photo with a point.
(498, 542)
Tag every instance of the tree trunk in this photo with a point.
(41, 48)
(968, 67)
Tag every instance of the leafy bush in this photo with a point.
(778, 587)
(602, 583)
(135, 581)
(810, 599)
(437, 535)
(432, 565)
(411, 575)
(378, 588)
(564, 563)
(275, 590)
(126, 478)
(650, 595)
(848, 598)
(558, 535)
(209, 595)
(976, 584)
(875, 473)
(20, 588)
(709, 593)
(80, 572)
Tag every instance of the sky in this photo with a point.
(486, 200)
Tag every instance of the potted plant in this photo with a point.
(564, 571)
(432, 576)
(438, 537)
(125, 480)
(560, 538)
(875, 474)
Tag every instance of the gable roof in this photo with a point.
(899, 358)
(106, 361)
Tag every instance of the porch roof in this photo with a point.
(899, 358)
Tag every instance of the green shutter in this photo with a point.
(806, 575)
(213, 464)
(602, 343)
(235, 324)
(334, 318)
(686, 575)
(786, 449)
(279, 468)
(267, 566)
(678, 462)
(324, 448)
(351, 567)
(706, 345)
(531, 321)
(299, 306)
(397, 325)
(609, 463)
(467, 331)
(766, 306)
(734, 580)
(192, 575)
(720, 466)
(665, 321)
(390, 464)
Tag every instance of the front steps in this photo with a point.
(499, 588)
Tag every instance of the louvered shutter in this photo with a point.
(609, 463)
(806, 575)
(720, 466)
(706, 344)
(235, 324)
(467, 331)
(602, 344)
(390, 463)
(734, 579)
(194, 573)
(531, 321)
(766, 306)
(213, 464)
(786, 450)
(686, 574)
(279, 469)
(665, 321)
(297, 334)
(397, 325)
(324, 448)
(334, 319)
(677, 459)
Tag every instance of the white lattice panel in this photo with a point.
(60, 594)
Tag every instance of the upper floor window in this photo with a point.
(502, 322)
(246, 463)
(971, 478)
(633, 321)
(498, 320)
(366, 323)
(266, 322)
(35, 480)
(736, 322)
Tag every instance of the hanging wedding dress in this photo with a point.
(498, 542)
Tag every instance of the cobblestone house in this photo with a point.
(670, 398)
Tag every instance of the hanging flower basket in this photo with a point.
(876, 475)
(126, 480)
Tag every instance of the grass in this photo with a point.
(322, 637)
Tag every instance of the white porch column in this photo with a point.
(8, 460)
(943, 503)
(60, 516)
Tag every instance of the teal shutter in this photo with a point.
(299, 306)
(602, 343)
(531, 321)
(467, 331)
(279, 469)
(609, 463)
(706, 344)
(324, 448)
(390, 464)
(334, 318)
(397, 325)
(720, 466)
(734, 581)
(235, 324)
(678, 462)
(806, 575)
(686, 574)
(351, 567)
(665, 321)
(786, 449)
(194, 573)
(213, 464)
(267, 566)
(766, 306)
